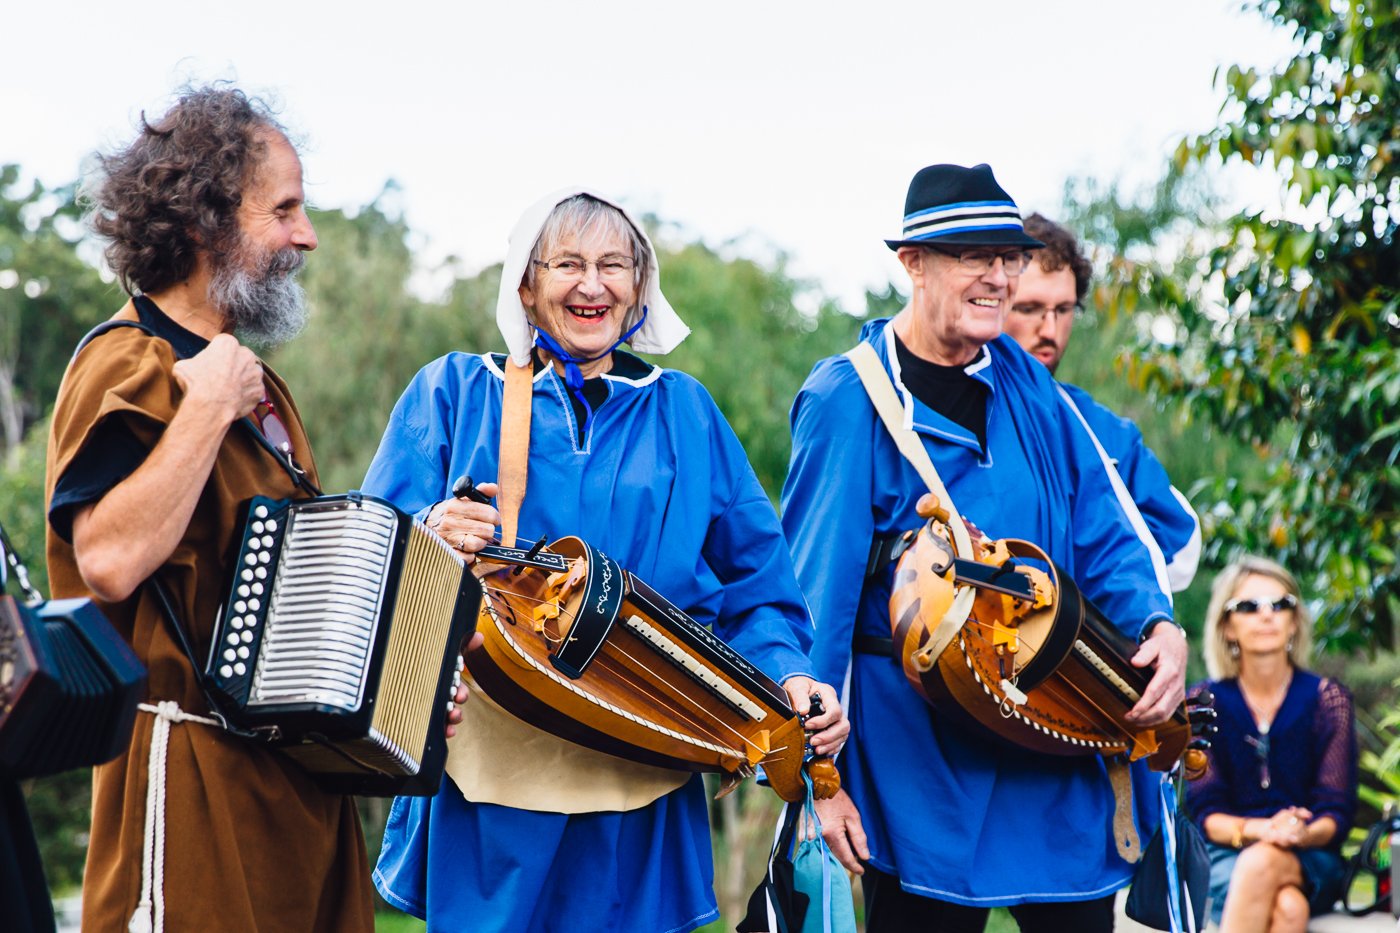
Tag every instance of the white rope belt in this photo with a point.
(149, 916)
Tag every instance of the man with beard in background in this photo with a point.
(1048, 297)
(161, 430)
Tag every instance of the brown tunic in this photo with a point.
(251, 843)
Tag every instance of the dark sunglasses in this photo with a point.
(1261, 752)
(1250, 606)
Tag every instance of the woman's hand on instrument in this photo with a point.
(825, 733)
(843, 832)
(1166, 651)
(454, 715)
(466, 525)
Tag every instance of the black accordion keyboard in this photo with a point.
(340, 638)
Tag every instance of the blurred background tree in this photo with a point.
(1286, 334)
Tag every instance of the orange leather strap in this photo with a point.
(515, 445)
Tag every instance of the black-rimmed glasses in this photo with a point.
(980, 261)
(1250, 606)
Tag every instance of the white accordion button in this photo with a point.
(257, 528)
(240, 606)
(271, 524)
(253, 604)
(264, 557)
(243, 652)
(243, 590)
(250, 558)
(236, 622)
(260, 573)
(260, 511)
(226, 670)
(247, 637)
(240, 668)
(233, 638)
(257, 589)
(230, 654)
(267, 541)
(246, 574)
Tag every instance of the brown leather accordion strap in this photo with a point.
(515, 445)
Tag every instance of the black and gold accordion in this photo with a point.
(69, 686)
(340, 640)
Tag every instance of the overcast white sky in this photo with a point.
(787, 125)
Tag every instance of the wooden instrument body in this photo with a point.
(654, 687)
(1047, 673)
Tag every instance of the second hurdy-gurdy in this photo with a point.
(586, 650)
(1034, 662)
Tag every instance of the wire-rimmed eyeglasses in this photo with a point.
(1037, 312)
(611, 267)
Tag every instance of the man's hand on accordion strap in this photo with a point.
(825, 733)
(1166, 651)
(460, 695)
(466, 525)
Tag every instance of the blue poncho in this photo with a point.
(955, 817)
(662, 485)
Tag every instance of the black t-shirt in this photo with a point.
(948, 390)
(112, 452)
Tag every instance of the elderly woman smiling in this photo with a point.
(529, 832)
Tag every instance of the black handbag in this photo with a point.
(1171, 896)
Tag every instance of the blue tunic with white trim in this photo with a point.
(954, 816)
(661, 485)
(1169, 516)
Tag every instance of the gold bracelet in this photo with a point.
(1237, 840)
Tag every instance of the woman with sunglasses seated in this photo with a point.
(1278, 797)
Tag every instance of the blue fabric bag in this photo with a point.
(805, 890)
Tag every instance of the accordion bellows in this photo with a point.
(69, 686)
(341, 637)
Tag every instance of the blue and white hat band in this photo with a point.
(962, 217)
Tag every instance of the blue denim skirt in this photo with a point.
(1323, 872)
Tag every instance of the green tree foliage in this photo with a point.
(1288, 336)
(750, 345)
(49, 297)
(368, 334)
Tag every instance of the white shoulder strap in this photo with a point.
(882, 395)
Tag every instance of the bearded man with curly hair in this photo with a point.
(160, 432)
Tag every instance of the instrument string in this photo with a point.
(661, 702)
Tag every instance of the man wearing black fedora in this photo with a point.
(941, 822)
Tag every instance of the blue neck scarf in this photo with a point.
(573, 376)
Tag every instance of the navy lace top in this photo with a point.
(1306, 759)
